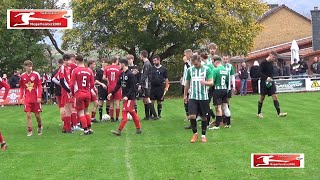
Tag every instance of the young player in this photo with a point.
(198, 79)
(231, 83)
(159, 83)
(135, 71)
(30, 93)
(112, 74)
(267, 86)
(220, 94)
(6, 86)
(57, 88)
(82, 85)
(127, 81)
(145, 85)
(94, 99)
(66, 98)
(102, 88)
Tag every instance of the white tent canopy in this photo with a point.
(294, 51)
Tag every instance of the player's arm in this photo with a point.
(144, 75)
(208, 81)
(117, 87)
(6, 90)
(261, 74)
(131, 84)
(63, 81)
(165, 75)
(22, 89)
(72, 82)
(39, 89)
(187, 86)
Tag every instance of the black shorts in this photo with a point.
(210, 93)
(200, 107)
(229, 95)
(264, 90)
(145, 92)
(220, 96)
(156, 93)
(102, 93)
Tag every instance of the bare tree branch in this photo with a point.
(53, 41)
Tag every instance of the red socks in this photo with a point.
(93, 114)
(67, 123)
(1, 138)
(111, 112)
(74, 119)
(84, 122)
(88, 118)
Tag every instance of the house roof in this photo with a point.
(276, 9)
(281, 48)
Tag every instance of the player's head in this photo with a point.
(225, 58)
(104, 62)
(60, 61)
(124, 63)
(92, 64)
(217, 61)
(28, 65)
(188, 53)
(196, 61)
(204, 56)
(72, 58)
(66, 58)
(156, 60)
(114, 60)
(79, 59)
(273, 56)
(16, 72)
(143, 54)
(4, 76)
(197, 52)
(130, 58)
(212, 47)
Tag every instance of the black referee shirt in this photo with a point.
(266, 70)
(159, 75)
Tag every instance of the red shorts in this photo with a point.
(128, 105)
(116, 96)
(65, 99)
(59, 101)
(81, 103)
(32, 107)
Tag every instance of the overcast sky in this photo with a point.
(301, 6)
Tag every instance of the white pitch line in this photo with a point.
(126, 156)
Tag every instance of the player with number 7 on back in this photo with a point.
(82, 86)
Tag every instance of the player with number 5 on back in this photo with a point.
(82, 85)
(112, 74)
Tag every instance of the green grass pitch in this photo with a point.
(163, 150)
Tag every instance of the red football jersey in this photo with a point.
(82, 81)
(112, 73)
(64, 72)
(6, 87)
(72, 66)
(30, 87)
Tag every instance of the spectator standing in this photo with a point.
(303, 67)
(243, 75)
(15, 79)
(315, 66)
(255, 75)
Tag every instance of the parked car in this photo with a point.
(238, 86)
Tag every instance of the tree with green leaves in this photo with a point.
(164, 27)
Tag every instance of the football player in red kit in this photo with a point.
(94, 96)
(128, 84)
(112, 74)
(82, 85)
(66, 99)
(6, 91)
(30, 93)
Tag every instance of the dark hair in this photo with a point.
(195, 58)
(104, 60)
(144, 53)
(204, 55)
(79, 58)
(72, 55)
(124, 61)
(274, 53)
(28, 63)
(91, 62)
(130, 56)
(156, 57)
(212, 46)
(217, 58)
(66, 57)
(60, 61)
(114, 59)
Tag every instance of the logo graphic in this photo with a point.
(39, 19)
(315, 84)
(30, 86)
(277, 160)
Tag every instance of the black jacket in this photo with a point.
(255, 72)
(315, 67)
(13, 81)
(243, 73)
(303, 66)
(128, 84)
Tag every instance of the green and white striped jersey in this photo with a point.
(220, 76)
(194, 76)
(231, 72)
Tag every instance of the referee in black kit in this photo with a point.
(159, 84)
(267, 86)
